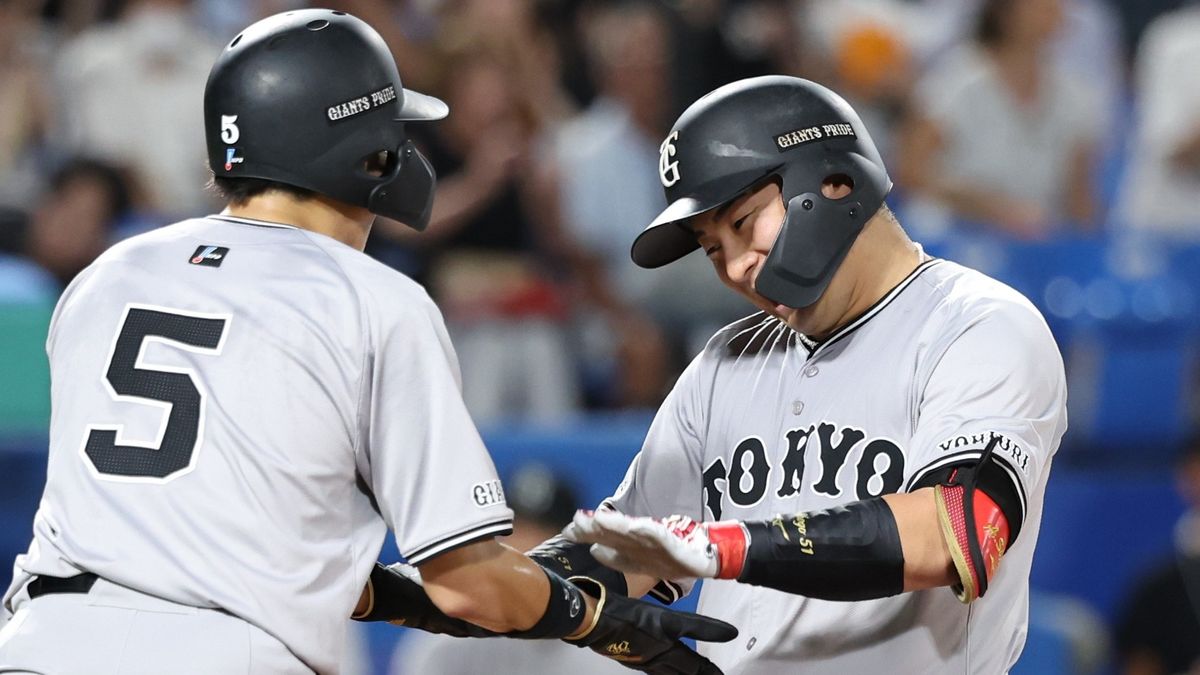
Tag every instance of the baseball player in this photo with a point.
(244, 403)
(882, 428)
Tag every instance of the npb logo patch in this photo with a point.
(668, 169)
(209, 256)
(231, 158)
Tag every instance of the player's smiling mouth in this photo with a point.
(770, 306)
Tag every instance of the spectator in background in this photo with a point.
(601, 168)
(542, 503)
(72, 223)
(867, 48)
(130, 93)
(485, 249)
(1162, 186)
(999, 135)
(718, 41)
(1090, 47)
(517, 34)
(1159, 625)
(72, 17)
(25, 47)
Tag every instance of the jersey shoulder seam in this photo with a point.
(364, 326)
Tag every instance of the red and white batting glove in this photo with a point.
(672, 548)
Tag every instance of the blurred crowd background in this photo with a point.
(1054, 144)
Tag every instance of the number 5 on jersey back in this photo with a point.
(180, 395)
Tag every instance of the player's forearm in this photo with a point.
(927, 562)
(848, 553)
(490, 585)
(865, 550)
(364, 602)
(948, 535)
(639, 584)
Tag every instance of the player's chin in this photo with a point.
(799, 319)
(779, 311)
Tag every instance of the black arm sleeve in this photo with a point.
(849, 553)
(398, 599)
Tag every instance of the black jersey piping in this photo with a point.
(252, 221)
(965, 456)
(871, 311)
(667, 591)
(469, 535)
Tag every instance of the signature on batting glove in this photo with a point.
(646, 637)
(672, 548)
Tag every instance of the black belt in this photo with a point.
(43, 585)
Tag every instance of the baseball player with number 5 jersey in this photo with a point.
(244, 404)
(882, 429)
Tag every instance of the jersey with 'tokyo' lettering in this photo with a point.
(766, 422)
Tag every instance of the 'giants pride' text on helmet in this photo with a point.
(747, 131)
(312, 98)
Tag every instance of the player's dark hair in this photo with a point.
(238, 191)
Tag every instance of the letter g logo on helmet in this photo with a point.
(668, 170)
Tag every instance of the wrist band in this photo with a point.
(599, 605)
(731, 540)
(565, 611)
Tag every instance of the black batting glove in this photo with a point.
(568, 559)
(646, 637)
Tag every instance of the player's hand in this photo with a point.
(646, 637)
(670, 548)
(398, 597)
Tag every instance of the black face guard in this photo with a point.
(818, 232)
(407, 194)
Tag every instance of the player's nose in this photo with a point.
(741, 268)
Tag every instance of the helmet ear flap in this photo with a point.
(408, 195)
(814, 239)
(819, 230)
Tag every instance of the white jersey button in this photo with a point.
(797, 407)
(811, 371)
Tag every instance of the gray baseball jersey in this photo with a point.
(765, 422)
(241, 409)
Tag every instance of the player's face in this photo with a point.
(737, 239)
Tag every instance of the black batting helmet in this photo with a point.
(312, 98)
(746, 131)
